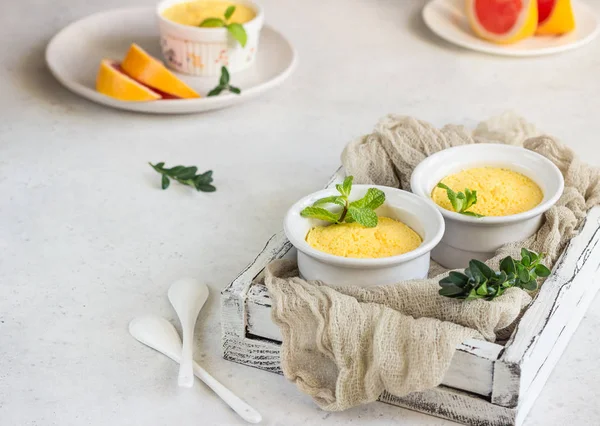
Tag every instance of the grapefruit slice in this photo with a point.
(150, 71)
(503, 21)
(112, 82)
(555, 17)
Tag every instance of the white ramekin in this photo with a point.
(415, 212)
(469, 237)
(203, 51)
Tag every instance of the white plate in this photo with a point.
(74, 54)
(448, 19)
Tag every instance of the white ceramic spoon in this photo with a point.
(187, 297)
(160, 334)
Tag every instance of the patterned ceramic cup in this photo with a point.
(203, 51)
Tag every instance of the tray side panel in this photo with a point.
(456, 406)
(548, 324)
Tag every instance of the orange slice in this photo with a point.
(555, 17)
(114, 83)
(503, 21)
(150, 71)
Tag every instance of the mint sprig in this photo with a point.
(479, 281)
(185, 176)
(236, 30)
(461, 202)
(361, 211)
(224, 84)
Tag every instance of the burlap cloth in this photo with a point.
(345, 346)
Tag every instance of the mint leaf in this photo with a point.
(187, 172)
(238, 32)
(345, 187)
(165, 182)
(224, 80)
(508, 265)
(542, 271)
(319, 213)
(235, 90)
(185, 176)
(216, 91)
(212, 23)
(364, 216)
(472, 214)
(229, 11)
(334, 199)
(372, 199)
(451, 196)
(485, 270)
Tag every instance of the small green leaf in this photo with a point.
(158, 165)
(457, 278)
(238, 32)
(523, 275)
(542, 270)
(206, 188)
(235, 90)
(346, 187)
(525, 253)
(229, 11)
(450, 291)
(212, 23)
(482, 290)
(472, 214)
(530, 285)
(372, 200)
(365, 217)
(165, 182)
(334, 199)
(473, 295)
(224, 80)
(187, 172)
(173, 171)
(319, 213)
(451, 196)
(216, 91)
(508, 265)
(485, 271)
(526, 261)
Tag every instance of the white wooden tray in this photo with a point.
(487, 383)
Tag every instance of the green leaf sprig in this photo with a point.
(224, 84)
(361, 211)
(461, 201)
(237, 31)
(479, 281)
(185, 176)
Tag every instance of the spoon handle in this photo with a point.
(235, 402)
(186, 372)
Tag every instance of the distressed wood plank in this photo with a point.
(530, 394)
(507, 384)
(454, 405)
(557, 308)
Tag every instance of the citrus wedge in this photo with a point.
(503, 21)
(150, 71)
(555, 17)
(111, 81)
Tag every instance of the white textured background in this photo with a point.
(87, 240)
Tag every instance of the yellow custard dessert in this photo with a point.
(500, 192)
(194, 12)
(389, 238)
